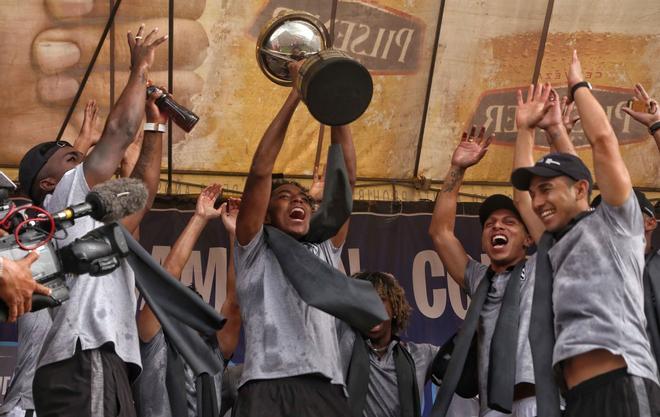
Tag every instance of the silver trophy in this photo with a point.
(336, 88)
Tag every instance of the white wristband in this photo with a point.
(155, 127)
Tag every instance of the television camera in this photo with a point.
(97, 253)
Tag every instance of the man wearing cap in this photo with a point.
(505, 240)
(91, 351)
(588, 291)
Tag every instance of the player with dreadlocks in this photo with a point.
(384, 375)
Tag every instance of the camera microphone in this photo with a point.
(108, 202)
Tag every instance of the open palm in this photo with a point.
(471, 149)
(206, 200)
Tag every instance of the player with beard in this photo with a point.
(505, 240)
(291, 350)
(594, 261)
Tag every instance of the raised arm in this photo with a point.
(610, 171)
(541, 108)
(470, 150)
(342, 135)
(126, 116)
(147, 322)
(147, 167)
(229, 334)
(652, 114)
(256, 194)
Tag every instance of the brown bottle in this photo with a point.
(183, 117)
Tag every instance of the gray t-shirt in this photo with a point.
(383, 392)
(100, 310)
(474, 273)
(597, 294)
(32, 330)
(150, 390)
(284, 336)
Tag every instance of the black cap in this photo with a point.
(493, 203)
(550, 166)
(644, 203)
(33, 161)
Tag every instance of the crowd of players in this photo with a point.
(572, 329)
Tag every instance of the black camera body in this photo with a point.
(97, 253)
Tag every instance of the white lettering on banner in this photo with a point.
(455, 298)
(436, 308)
(216, 270)
(354, 260)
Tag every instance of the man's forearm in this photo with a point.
(273, 139)
(656, 136)
(523, 155)
(594, 121)
(126, 116)
(444, 213)
(559, 140)
(147, 167)
(342, 135)
(180, 253)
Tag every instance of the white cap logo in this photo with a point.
(550, 161)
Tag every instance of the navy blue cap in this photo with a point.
(550, 166)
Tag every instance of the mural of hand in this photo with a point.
(47, 54)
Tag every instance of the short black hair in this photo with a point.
(278, 182)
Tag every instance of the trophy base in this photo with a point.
(336, 88)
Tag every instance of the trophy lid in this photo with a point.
(289, 37)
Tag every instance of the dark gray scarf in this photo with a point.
(318, 284)
(357, 381)
(502, 359)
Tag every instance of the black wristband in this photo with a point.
(654, 127)
(576, 86)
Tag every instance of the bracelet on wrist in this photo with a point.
(155, 127)
(654, 127)
(576, 87)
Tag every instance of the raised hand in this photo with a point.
(143, 48)
(552, 108)
(568, 117)
(206, 200)
(89, 134)
(318, 183)
(652, 115)
(294, 70)
(229, 212)
(574, 74)
(153, 112)
(90, 120)
(471, 149)
(531, 111)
